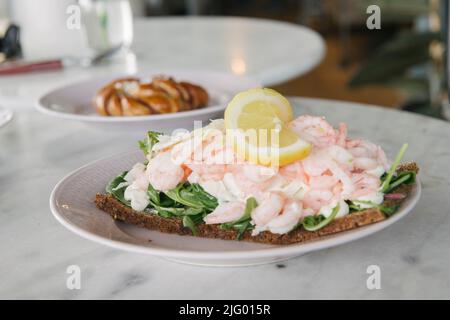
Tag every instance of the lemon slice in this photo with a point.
(255, 121)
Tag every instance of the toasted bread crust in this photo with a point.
(118, 211)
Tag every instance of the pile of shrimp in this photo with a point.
(336, 170)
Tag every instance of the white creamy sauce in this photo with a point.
(294, 189)
(232, 187)
(218, 190)
(135, 172)
(134, 193)
(138, 197)
(377, 172)
(374, 198)
(327, 210)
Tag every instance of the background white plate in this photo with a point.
(5, 116)
(72, 203)
(74, 101)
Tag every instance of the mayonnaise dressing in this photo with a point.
(327, 210)
(138, 197)
(370, 200)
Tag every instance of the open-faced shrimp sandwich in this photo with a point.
(259, 175)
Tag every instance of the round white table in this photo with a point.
(269, 51)
(35, 250)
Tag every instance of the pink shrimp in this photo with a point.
(163, 173)
(323, 182)
(225, 212)
(342, 135)
(364, 185)
(208, 171)
(317, 198)
(268, 209)
(253, 180)
(287, 220)
(332, 161)
(367, 155)
(314, 130)
(294, 171)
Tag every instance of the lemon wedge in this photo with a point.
(256, 127)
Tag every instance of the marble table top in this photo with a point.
(36, 151)
(267, 50)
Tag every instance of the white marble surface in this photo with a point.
(36, 151)
(267, 50)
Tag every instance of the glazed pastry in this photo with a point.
(131, 97)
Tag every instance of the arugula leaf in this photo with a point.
(387, 211)
(241, 228)
(147, 145)
(153, 195)
(178, 212)
(193, 195)
(314, 223)
(386, 183)
(406, 177)
(243, 223)
(118, 192)
(188, 223)
(249, 206)
(166, 207)
(357, 204)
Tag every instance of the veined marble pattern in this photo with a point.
(35, 250)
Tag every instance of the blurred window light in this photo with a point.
(238, 66)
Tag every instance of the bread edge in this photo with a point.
(119, 211)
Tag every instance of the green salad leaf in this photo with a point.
(406, 177)
(314, 223)
(386, 185)
(147, 144)
(116, 188)
(357, 205)
(242, 228)
(177, 211)
(193, 195)
(388, 211)
(189, 223)
(153, 195)
(243, 223)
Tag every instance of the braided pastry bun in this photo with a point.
(132, 97)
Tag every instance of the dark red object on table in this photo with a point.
(18, 67)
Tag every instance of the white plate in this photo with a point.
(72, 203)
(74, 102)
(5, 116)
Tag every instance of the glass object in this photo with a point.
(108, 24)
(446, 34)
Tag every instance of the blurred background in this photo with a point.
(399, 66)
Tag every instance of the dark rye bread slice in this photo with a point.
(118, 211)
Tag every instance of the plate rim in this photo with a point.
(40, 106)
(270, 251)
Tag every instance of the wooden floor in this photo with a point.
(329, 80)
